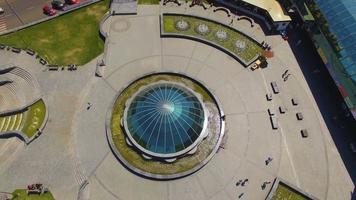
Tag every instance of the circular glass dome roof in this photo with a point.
(165, 119)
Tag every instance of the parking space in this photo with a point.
(19, 12)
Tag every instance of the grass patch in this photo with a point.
(247, 55)
(284, 192)
(34, 118)
(72, 38)
(21, 194)
(148, 2)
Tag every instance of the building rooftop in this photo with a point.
(273, 7)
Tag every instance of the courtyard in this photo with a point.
(74, 152)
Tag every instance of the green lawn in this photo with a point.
(69, 39)
(21, 194)
(247, 55)
(285, 193)
(148, 2)
(34, 118)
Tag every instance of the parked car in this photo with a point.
(284, 35)
(70, 2)
(48, 10)
(58, 5)
(2, 11)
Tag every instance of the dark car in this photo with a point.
(48, 10)
(58, 5)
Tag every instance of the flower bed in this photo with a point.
(240, 46)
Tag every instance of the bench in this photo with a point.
(269, 96)
(53, 67)
(274, 122)
(15, 50)
(43, 61)
(30, 52)
(275, 87)
(295, 102)
(282, 109)
(270, 112)
(299, 116)
(304, 133)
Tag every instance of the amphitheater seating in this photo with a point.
(30, 80)
(20, 89)
(11, 123)
(8, 98)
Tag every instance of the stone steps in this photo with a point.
(11, 123)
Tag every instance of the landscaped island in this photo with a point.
(28, 121)
(241, 47)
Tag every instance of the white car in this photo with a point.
(1, 11)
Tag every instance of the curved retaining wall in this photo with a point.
(103, 34)
(158, 176)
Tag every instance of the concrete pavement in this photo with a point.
(74, 147)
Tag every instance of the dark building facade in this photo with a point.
(332, 26)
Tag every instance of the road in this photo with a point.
(20, 12)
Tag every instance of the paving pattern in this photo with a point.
(241, 91)
(74, 148)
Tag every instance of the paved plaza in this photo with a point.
(74, 148)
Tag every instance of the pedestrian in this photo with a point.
(269, 159)
(242, 194)
(263, 185)
(285, 73)
(286, 77)
(244, 182)
(89, 105)
(238, 182)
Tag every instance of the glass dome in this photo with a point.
(165, 119)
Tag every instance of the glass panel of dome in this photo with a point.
(165, 119)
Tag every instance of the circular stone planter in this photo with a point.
(240, 45)
(156, 168)
(182, 25)
(202, 29)
(221, 35)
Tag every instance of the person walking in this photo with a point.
(269, 159)
(285, 73)
(89, 105)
